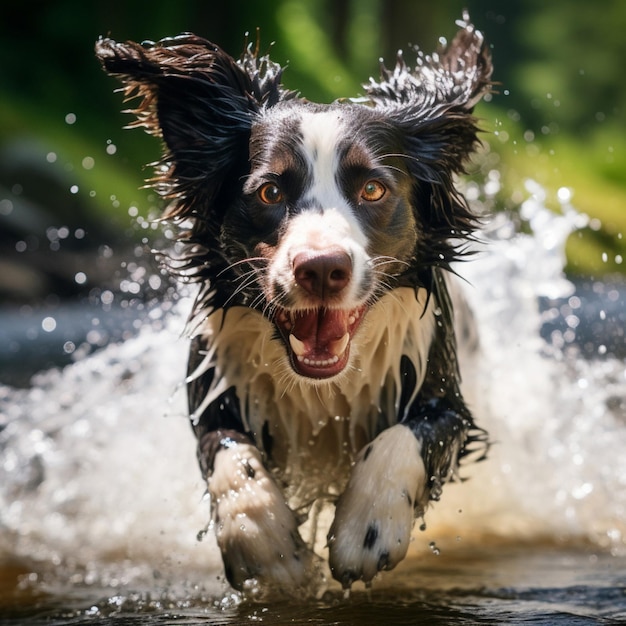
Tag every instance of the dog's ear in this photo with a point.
(433, 103)
(431, 110)
(200, 100)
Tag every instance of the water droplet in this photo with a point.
(49, 324)
(80, 278)
(564, 194)
(88, 163)
(6, 207)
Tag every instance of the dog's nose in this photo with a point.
(322, 274)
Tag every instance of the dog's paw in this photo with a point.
(375, 514)
(256, 531)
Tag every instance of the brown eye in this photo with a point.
(270, 193)
(373, 191)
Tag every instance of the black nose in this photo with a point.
(322, 274)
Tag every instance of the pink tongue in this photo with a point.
(316, 329)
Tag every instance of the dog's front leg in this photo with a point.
(256, 531)
(391, 483)
(374, 515)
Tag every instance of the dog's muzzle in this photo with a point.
(318, 335)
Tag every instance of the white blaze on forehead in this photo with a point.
(321, 134)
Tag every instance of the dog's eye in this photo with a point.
(373, 191)
(270, 193)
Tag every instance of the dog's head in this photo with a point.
(307, 212)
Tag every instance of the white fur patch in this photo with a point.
(318, 427)
(321, 132)
(375, 514)
(256, 532)
(314, 230)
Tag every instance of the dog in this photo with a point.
(323, 363)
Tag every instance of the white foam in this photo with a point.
(98, 463)
(557, 467)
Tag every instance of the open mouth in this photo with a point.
(318, 340)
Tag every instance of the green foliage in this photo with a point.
(590, 171)
(302, 30)
(571, 72)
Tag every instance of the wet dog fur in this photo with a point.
(323, 363)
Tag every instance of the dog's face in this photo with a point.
(308, 213)
(326, 220)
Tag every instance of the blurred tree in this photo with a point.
(559, 60)
(570, 71)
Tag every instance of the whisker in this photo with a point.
(386, 260)
(241, 262)
(247, 283)
(393, 168)
(400, 155)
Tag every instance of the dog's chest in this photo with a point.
(317, 427)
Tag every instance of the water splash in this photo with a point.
(98, 477)
(556, 469)
(97, 465)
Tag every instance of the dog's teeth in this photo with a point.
(296, 345)
(339, 347)
(354, 316)
(336, 348)
(324, 363)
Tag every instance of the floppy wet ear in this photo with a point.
(196, 97)
(433, 102)
(430, 108)
(457, 75)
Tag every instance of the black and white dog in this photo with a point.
(323, 362)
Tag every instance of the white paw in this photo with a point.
(255, 529)
(375, 514)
